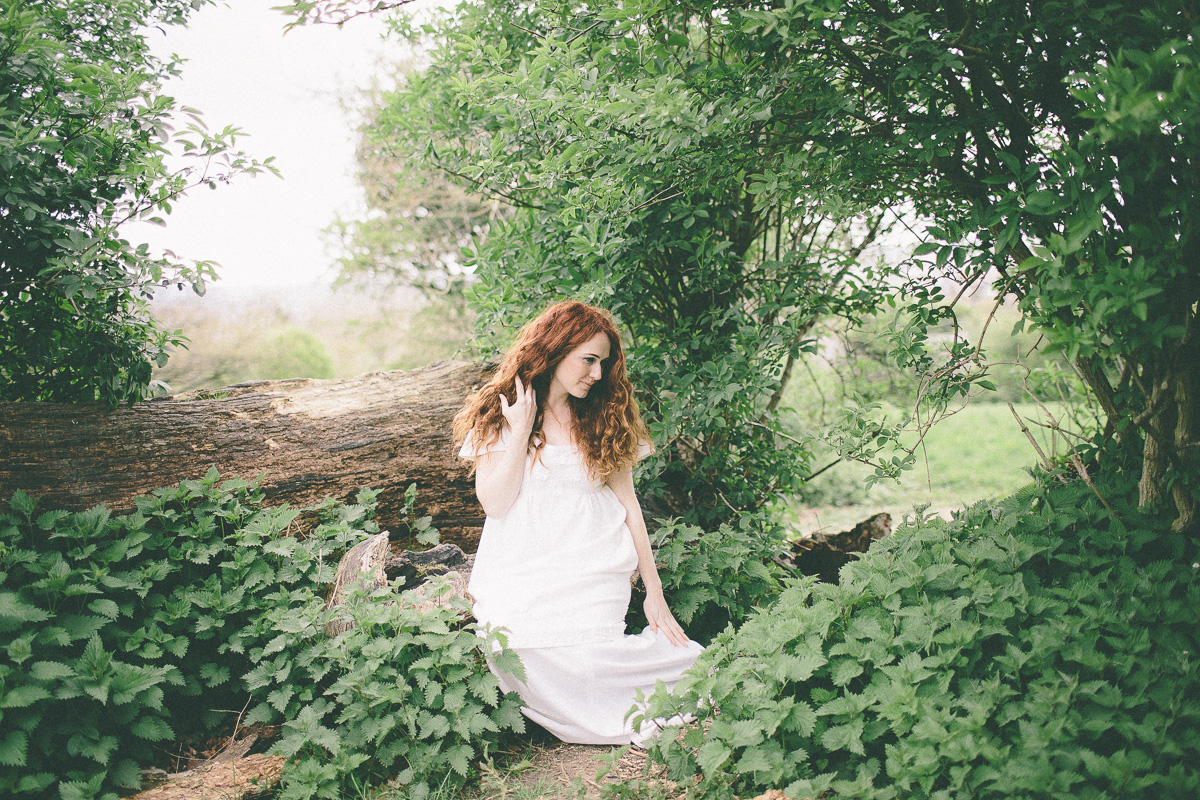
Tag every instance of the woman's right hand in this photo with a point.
(499, 475)
(523, 411)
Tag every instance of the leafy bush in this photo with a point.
(114, 627)
(1040, 647)
(405, 694)
(716, 578)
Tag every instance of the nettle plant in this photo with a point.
(120, 635)
(1041, 647)
(116, 627)
(715, 578)
(405, 696)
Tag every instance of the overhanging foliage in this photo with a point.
(651, 145)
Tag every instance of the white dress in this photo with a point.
(555, 572)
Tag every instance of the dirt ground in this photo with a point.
(557, 771)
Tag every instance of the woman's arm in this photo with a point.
(658, 615)
(499, 475)
(498, 478)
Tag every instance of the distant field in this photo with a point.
(313, 331)
(979, 453)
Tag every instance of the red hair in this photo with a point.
(608, 426)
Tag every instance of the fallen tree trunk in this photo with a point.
(309, 439)
(250, 776)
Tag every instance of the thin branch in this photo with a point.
(1081, 470)
(991, 315)
(726, 502)
(524, 30)
(830, 465)
(586, 30)
(778, 433)
(1055, 427)
(656, 199)
(1029, 435)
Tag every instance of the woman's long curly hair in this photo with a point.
(608, 426)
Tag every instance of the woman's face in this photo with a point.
(582, 367)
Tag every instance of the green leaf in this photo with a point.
(459, 757)
(126, 774)
(509, 717)
(754, 760)
(845, 737)
(800, 668)
(846, 671)
(745, 733)
(50, 671)
(89, 745)
(214, 674)
(13, 749)
(23, 696)
(154, 729)
(803, 719)
(22, 503)
(712, 756)
(36, 782)
(14, 609)
(105, 608)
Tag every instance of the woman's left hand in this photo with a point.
(660, 618)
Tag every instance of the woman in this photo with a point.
(554, 436)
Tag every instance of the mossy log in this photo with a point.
(308, 439)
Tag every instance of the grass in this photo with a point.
(540, 767)
(977, 454)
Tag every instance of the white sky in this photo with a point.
(284, 92)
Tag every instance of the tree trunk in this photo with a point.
(1170, 428)
(309, 439)
(1160, 424)
(1186, 422)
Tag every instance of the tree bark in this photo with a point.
(1170, 427)
(250, 776)
(309, 439)
(1156, 448)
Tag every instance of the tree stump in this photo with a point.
(309, 439)
(371, 564)
(823, 554)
